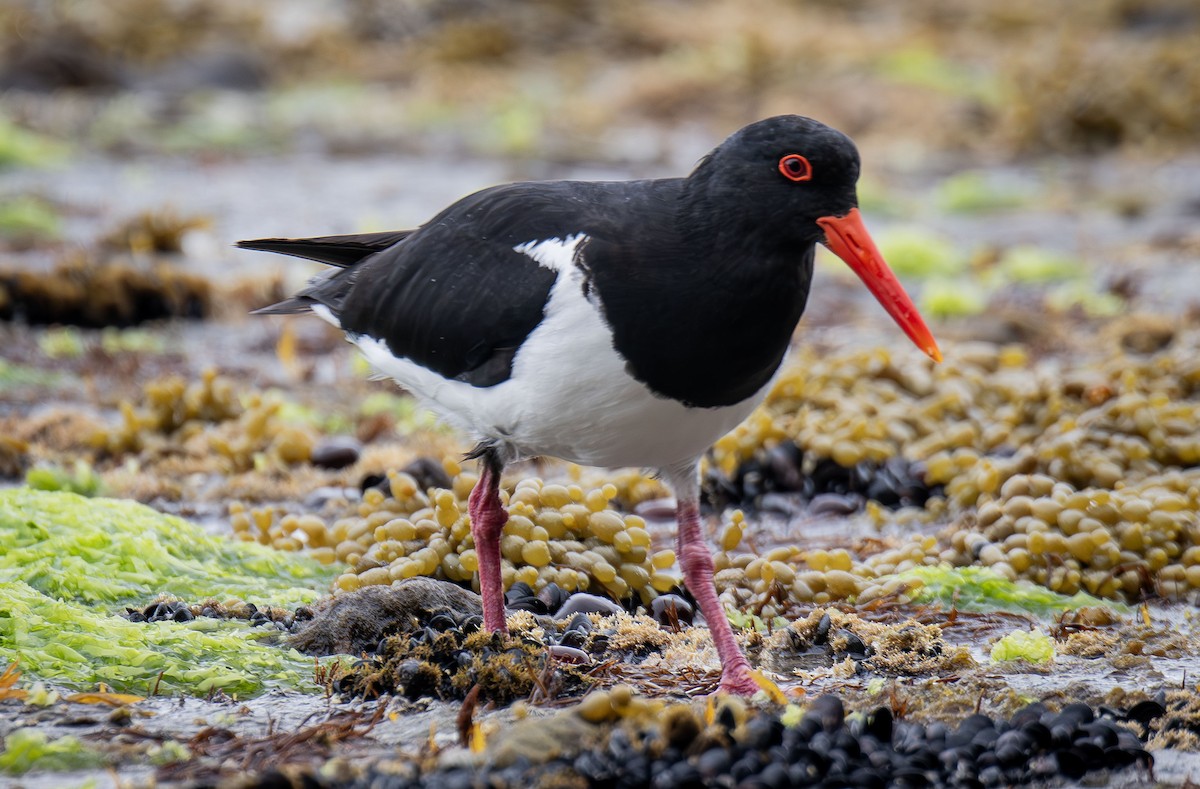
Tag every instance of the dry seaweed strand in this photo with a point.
(220, 752)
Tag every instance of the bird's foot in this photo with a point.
(737, 680)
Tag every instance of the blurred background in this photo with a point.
(323, 116)
(1031, 169)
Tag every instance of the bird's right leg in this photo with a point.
(695, 558)
(488, 517)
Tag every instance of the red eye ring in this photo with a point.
(795, 167)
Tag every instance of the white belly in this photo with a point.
(569, 395)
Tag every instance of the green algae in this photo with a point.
(23, 148)
(30, 749)
(132, 340)
(983, 589)
(77, 646)
(974, 192)
(113, 551)
(952, 298)
(1032, 646)
(70, 562)
(1030, 264)
(80, 478)
(27, 219)
(16, 376)
(924, 67)
(913, 252)
(62, 342)
(1083, 296)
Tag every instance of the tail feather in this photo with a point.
(340, 251)
(328, 288)
(293, 306)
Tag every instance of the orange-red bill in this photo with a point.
(847, 237)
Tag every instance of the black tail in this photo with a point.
(292, 306)
(329, 287)
(340, 251)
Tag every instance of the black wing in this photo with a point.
(455, 296)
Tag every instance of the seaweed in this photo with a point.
(984, 590)
(1032, 646)
(70, 561)
(26, 220)
(80, 478)
(27, 749)
(23, 148)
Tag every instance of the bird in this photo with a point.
(607, 323)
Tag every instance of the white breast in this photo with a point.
(569, 395)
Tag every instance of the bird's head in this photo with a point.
(795, 178)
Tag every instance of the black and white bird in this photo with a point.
(626, 323)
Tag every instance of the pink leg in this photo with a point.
(487, 521)
(697, 563)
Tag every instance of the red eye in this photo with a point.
(795, 167)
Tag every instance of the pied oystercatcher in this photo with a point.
(626, 323)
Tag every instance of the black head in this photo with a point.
(780, 175)
(779, 186)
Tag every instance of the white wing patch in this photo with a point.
(555, 254)
(570, 395)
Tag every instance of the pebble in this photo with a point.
(587, 604)
(336, 452)
(569, 654)
(671, 610)
(656, 509)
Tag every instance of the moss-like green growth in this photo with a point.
(16, 376)
(111, 551)
(78, 646)
(1034, 264)
(972, 192)
(22, 148)
(924, 67)
(70, 561)
(27, 220)
(911, 252)
(30, 749)
(952, 298)
(135, 340)
(62, 342)
(81, 479)
(983, 589)
(1083, 296)
(1033, 646)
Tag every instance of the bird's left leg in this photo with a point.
(696, 560)
(488, 517)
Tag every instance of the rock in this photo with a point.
(353, 623)
(671, 610)
(429, 473)
(588, 604)
(336, 452)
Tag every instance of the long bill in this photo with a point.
(847, 237)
